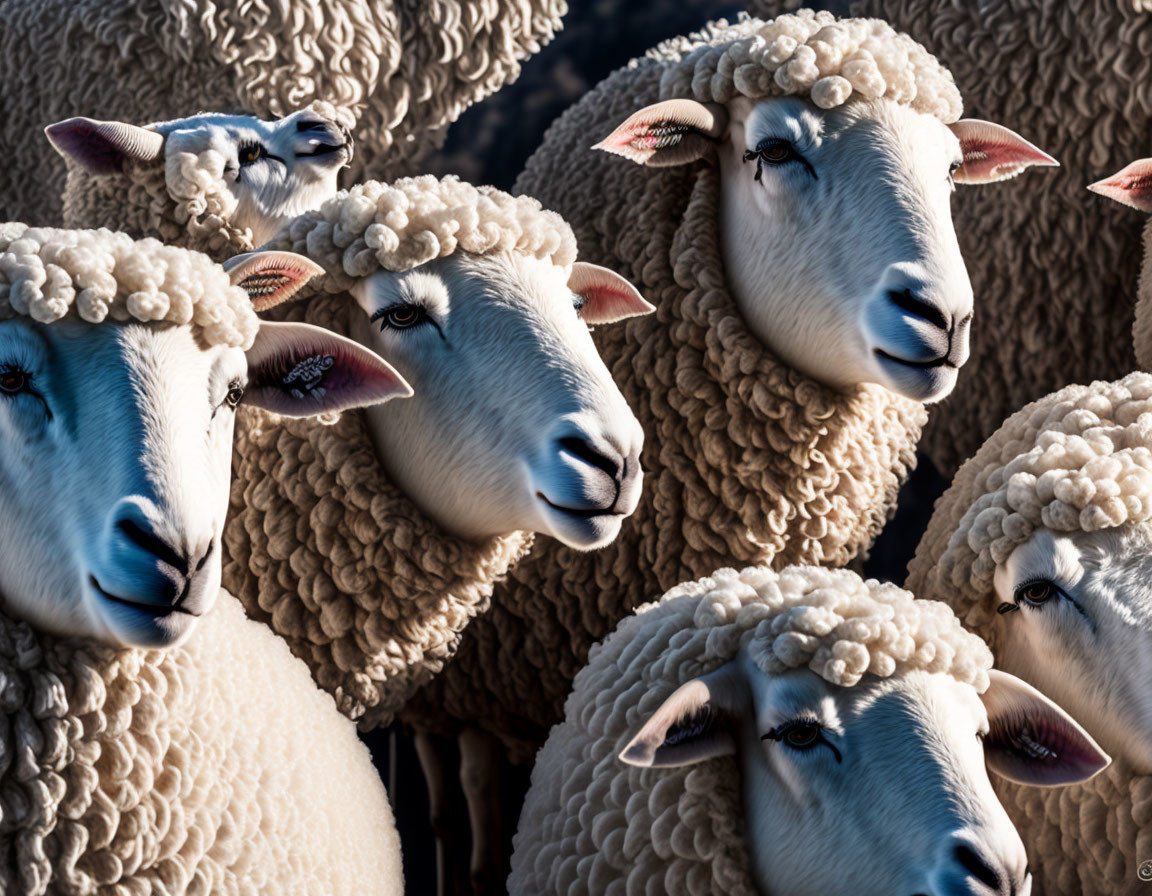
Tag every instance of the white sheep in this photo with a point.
(221, 184)
(789, 217)
(804, 732)
(1043, 546)
(155, 741)
(403, 70)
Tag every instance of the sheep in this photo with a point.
(755, 733)
(1043, 547)
(403, 70)
(220, 184)
(370, 543)
(1073, 75)
(780, 421)
(155, 740)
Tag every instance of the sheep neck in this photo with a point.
(323, 547)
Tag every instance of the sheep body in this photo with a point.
(681, 829)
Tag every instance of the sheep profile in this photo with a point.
(1043, 547)
(370, 543)
(220, 184)
(156, 740)
(757, 733)
(404, 71)
(789, 219)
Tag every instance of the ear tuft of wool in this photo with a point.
(401, 225)
(214, 767)
(95, 275)
(592, 824)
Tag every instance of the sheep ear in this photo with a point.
(692, 724)
(674, 132)
(1032, 740)
(992, 152)
(271, 277)
(608, 297)
(1131, 185)
(102, 147)
(299, 370)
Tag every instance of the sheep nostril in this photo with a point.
(153, 544)
(907, 300)
(588, 453)
(975, 865)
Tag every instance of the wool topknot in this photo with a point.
(815, 54)
(401, 225)
(93, 275)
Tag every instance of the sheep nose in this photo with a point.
(603, 457)
(975, 868)
(939, 331)
(910, 301)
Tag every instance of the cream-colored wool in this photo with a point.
(746, 460)
(213, 768)
(1078, 460)
(1052, 267)
(368, 590)
(592, 824)
(181, 198)
(48, 274)
(405, 70)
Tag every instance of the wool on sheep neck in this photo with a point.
(322, 546)
(745, 460)
(215, 767)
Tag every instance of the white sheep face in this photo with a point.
(115, 453)
(270, 171)
(1082, 630)
(516, 423)
(876, 788)
(836, 228)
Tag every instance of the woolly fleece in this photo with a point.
(181, 198)
(1078, 460)
(322, 546)
(746, 460)
(216, 767)
(592, 824)
(1142, 329)
(1050, 265)
(48, 274)
(404, 70)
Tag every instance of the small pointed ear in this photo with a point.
(102, 147)
(674, 132)
(693, 724)
(270, 277)
(608, 297)
(1032, 740)
(299, 370)
(992, 152)
(1131, 185)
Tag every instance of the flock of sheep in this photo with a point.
(578, 476)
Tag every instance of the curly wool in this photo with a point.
(405, 70)
(1142, 328)
(216, 767)
(323, 547)
(92, 275)
(1075, 77)
(413, 220)
(181, 198)
(592, 824)
(1077, 460)
(746, 460)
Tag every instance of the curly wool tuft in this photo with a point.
(215, 767)
(411, 221)
(93, 275)
(830, 60)
(592, 824)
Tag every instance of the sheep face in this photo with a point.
(826, 769)
(115, 451)
(835, 227)
(518, 422)
(256, 173)
(1085, 597)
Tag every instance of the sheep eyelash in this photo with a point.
(777, 734)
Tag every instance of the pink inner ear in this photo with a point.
(101, 147)
(1130, 186)
(993, 153)
(607, 296)
(271, 278)
(659, 126)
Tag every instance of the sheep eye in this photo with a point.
(775, 152)
(802, 735)
(14, 381)
(578, 302)
(401, 317)
(234, 394)
(1036, 593)
(250, 153)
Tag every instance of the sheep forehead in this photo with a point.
(815, 55)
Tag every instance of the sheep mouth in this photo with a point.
(917, 365)
(156, 611)
(580, 513)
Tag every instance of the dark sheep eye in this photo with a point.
(13, 382)
(250, 152)
(802, 736)
(402, 317)
(1036, 593)
(234, 395)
